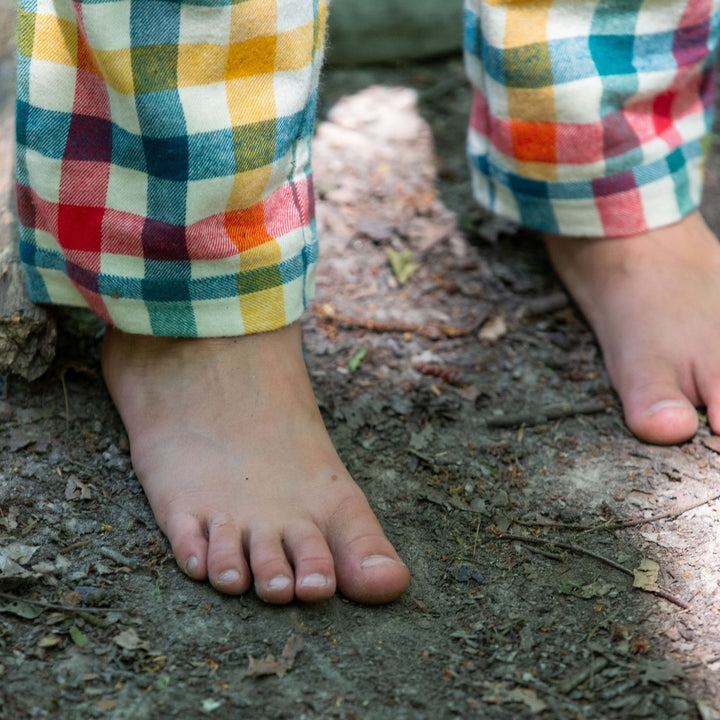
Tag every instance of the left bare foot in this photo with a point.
(228, 443)
(653, 301)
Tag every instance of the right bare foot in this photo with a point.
(228, 443)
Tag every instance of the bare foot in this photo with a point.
(653, 301)
(229, 445)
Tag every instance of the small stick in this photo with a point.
(542, 415)
(543, 305)
(569, 685)
(432, 330)
(545, 553)
(117, 557)
(701, 663)
(660, 592)
(615, 524)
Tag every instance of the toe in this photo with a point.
(368, 568)
(272, 574)
(227, 568)
(656, 409)
(312, 560)
(189, 545)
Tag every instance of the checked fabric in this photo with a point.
(163, 147)
(590, 117)
(163, 160)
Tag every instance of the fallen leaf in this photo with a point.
(493, 329)
(49, 641)
(272, 666)
(210, 704)
(78, 637)
(106, 705)
(129, 640)
(662, 672)
(19, 553)
(500, 693)
(646, 575)
(707, 712)
(402, 264)
(76, 490)
(22, 609)
(12, 574)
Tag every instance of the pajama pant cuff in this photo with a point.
(591, 117)
(627, 203)
(163, 160)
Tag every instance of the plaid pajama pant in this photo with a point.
(590, 117)
(163, 148)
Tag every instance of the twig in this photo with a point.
(67, 401)
(702, 663)
(76, 545)
(660, 592)
(546, 553)
(542, 415)
(117, 557)
(64, 608)
(615, 524)
(543, 305)
(567, 686)
(434, 331)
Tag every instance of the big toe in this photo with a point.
(367, 567)
(659, 412)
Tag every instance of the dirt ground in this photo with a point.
(471, 404)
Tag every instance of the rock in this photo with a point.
(363, 31)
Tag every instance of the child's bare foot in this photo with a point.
(654, 303)
(231, 450)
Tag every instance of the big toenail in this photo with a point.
(279, 583)
(374, 560)
(315, 580)
(229, 576)
(658, 406)
(191, 565)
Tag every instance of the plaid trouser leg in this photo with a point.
(590, 117)
(163, 160)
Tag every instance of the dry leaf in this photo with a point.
(595, 589)
(646, 575)
(493, 329)
(49, 641)
(129, 640)
(272, 666)
(499, 693)
(19, 553)
(76, 490)
(12, 574)
(22, 609)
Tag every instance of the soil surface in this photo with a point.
(468, 398)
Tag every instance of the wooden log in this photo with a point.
(27, 332)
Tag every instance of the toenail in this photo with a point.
(374, 560)
(658, 406)
(279, 583)
(191, 565)
(315, 580)
(228, 577)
